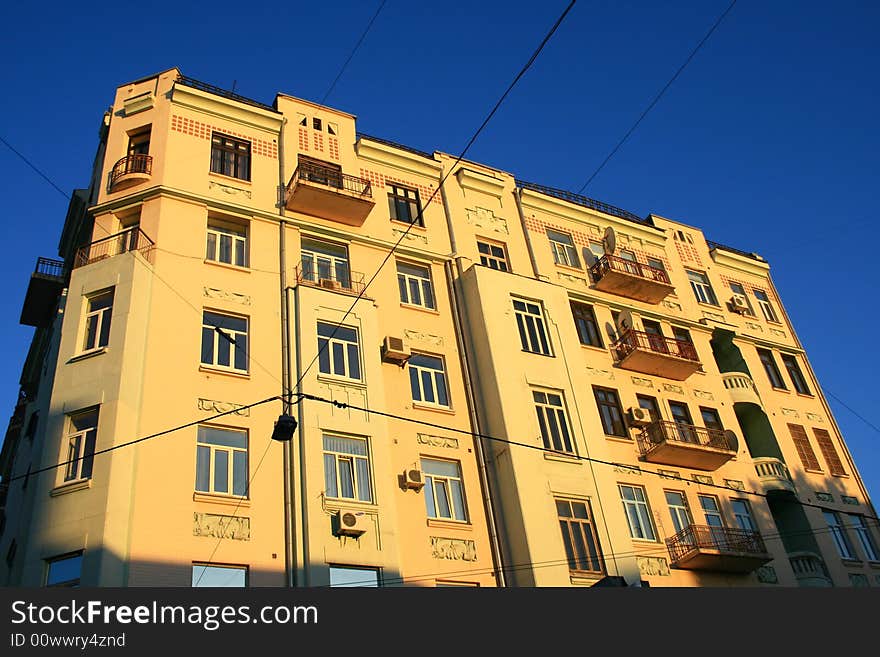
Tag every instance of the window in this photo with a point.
(579, 536)
(766, 306)
(838, 535)
(650, 405)
(553, 421)
(597, 251)
(319, 171)
(678, 509)
(684, 429)
(803, 447)
(492, 255)
(427, 379)
(701, 287)
(139, 142)
(530, 322)
(638, 515)
(794, 373)
(204, 576)
(563, 249)
(226, 244)
(740, 292)
(231, 157)
(444, 490)
(99, 308)
(222, 461)
(225, 341)
(415, 285)
(769, 364)
(405, 205)
(610, 411)
(712, 514)
(742, 513)
(656, 264)
(348, 576)
(711, 419)
(585, 323)
(865, 538)
(324, 261)
(826, 446)
(338, 351)
(347, 469)
(64, 571)
(81, 437)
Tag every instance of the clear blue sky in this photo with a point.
(768, 140)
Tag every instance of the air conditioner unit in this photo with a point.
(639, 415)
(739, 305)
(413, 479)
(351, 523)
(395, 350)
(329, 283)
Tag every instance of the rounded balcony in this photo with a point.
(741, 388)
(131, 170)
(773, 474)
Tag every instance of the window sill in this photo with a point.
(874, 564)
(223, 176)
(806, 395)
(644, 541)
(708, 305)
(585, 579)
(87, 354)
(593, 347)
(440, 409)
(850, 562)
(228, 265)
(811, 471)
(785, 390)
(409, 223)
(620, 439)
(341, 380)
(570, 268)
(537, 353)
(335, 504)
(562, 458)
(70, 487)
(220, 498)
(460, 525)
(840, 476)
(212, 370)
(424, 309)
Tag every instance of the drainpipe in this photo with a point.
(517, 194)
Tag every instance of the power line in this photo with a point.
(658, 97)
(851, 410)
(353, 51)
(34, 167)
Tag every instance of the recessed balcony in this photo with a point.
(630, 279)
(131, 170)
(773, 475)
(345, 281)
(809, 570)
(330, 194)
(130, 240)
(719, 549)
(654, 354)
(43, 291)
(741, 388)
(685, 445)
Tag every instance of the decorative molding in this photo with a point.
(437, 441)
(790, 412)
(814, 417)
(824, 497)
(734, 483)
(229, 189)
(411, 236)
(604, 374)
(702, 394)
(670, 387)
(454, 549)
(485, 218)
(702, 479)
(139, 103)
(235, 527)
(563, 276)
(421, 336)
(653, 566)
(718, 317)
(849, 499)
(668, 474)
(628, 469)
(672, 304)
(781, 334)
(639, 381)
(754, 327)
(480, 181)
(217, 406)
(234, 297)
(767, 575)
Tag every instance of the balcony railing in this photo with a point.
(333, 178)
(727, 549)
(49, 268)
(685, 445)
(741, 387)
(615, 263)
(326, 192)
(44, 289)
(773, 474)
(809, 569)
(634, 340)
(630, 279)
(132, 239)
(348, 282)
(131, 164)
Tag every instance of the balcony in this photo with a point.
(130, 170)
(330, 194)
(130, 240)
(773, 475)
(809, 570)
(655, 354)
(741, 388)
(631, 279)
(720, 549)
(346, 282)
(684, 445)
(43, 291)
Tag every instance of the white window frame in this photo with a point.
(579, 535)
(101, 318)
(361, 481)
(80, 445)
(766, 306)
(532, 328)
(233, 342)
(365, 571)
(217, 234)
(491, 259)
(564, 250)
(638, 513)
(452, 486)
(552, 418)
(416, 289)
(199, 570)
(339, 351)
(212, 449)
(865, 539)
(316, 264)
(744, 517)
(838, 535)
(680, 513)
(424, 376)
(702, 287)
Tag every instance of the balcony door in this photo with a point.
(319, 171)
(656, 341)
(325, 261)
(714, 520)
(681, 415)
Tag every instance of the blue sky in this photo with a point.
(767, 141)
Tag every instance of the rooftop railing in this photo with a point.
(210, 88)
(585, 201)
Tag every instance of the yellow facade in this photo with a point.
(252, 250)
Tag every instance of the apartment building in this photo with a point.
(505, 384)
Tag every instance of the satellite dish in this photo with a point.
(732, 440)
(624, 321)
(589, 257)
(610, 240)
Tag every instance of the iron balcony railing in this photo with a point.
(724, 539)
(132, 239)
(615, 263)
(660, 432)
(131, 164)
(48, 268)
(219, 91)
(633, 340)
(351, 282)
(333, 178)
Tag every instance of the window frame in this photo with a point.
(447, 482)
(67, 583)
(502, 263)
(363, 492)
(789, 361)
(866, 540)
(318, 256)
(768, 361)
(231, 339)
(573, 527)
(746, 514)
(617, 426)
(402, 196)
(436, 375)
(236, 234)
(329, 356)
(702, 287)
(103, 317)
(552, 416)
(679, 512)
(532, 327)
(222, 164)
(584, 316)
(766, 306)
(801, 441)
(213, 448)
(829, 452)
(195, 583)
(642, 510)
(81, 454)
(424, 286)
(838, 535)
(352, 568)
(564, 253)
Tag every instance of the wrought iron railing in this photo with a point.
(219, 91)
(723, 539)
(615, 263)
(132, 239)
(717, 245)
(138, 163)
(351, 282)
(49, 268)
(332, 178)
(585, 201)
(661, 431)
(634, 340)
